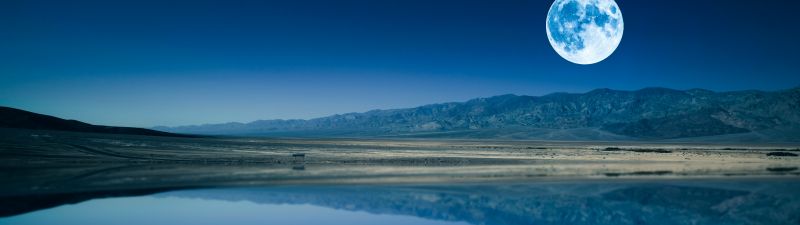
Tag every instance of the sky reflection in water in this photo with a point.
(620, 202)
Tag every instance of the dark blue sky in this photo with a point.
(145, 63)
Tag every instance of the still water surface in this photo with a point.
(567, 202)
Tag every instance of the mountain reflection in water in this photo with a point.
(580, 202)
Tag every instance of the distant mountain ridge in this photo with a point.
(601, 114)
(21, 119)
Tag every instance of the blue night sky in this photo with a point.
(147, 63)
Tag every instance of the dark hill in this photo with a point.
(21, 119)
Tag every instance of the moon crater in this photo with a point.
(584, 31)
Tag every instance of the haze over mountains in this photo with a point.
(601, 114)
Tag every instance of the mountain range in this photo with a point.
(601, 114)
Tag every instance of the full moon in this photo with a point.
(584, 31)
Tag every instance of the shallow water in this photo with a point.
(719, 201)
(76, 178)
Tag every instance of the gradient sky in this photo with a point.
(146, 63)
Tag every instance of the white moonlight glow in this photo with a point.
(584, 31)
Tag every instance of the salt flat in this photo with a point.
(42, 169)
(43, 161)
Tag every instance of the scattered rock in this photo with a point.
(781, 169)
(660, 172)
(658, 150)
(782, 154)
(654, 150)
(640, 173)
